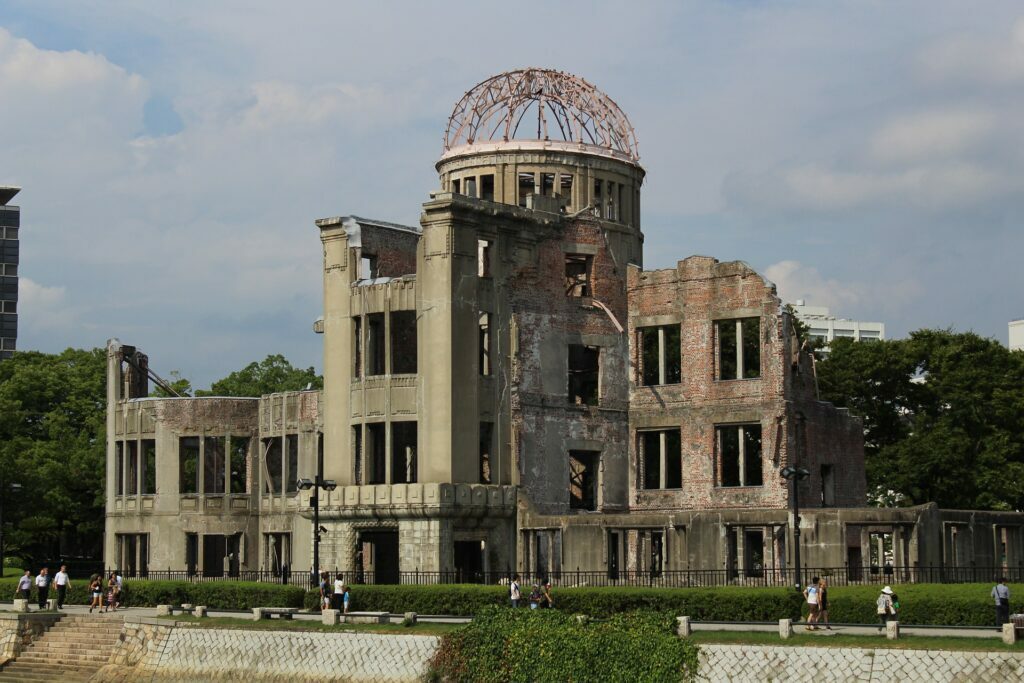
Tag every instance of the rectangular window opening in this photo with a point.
(662, 459)
(486, 446)
(239, 464)
(131, 474)
(119, 468)
(660, 355)
(739, 348)
(583, 466)
(471, 187)
(577, 275)
(527, 186)
(456, 186)
(357, 347)
(487, 187)
(828, 486)
(357, 454)
(367, 266)
(657, 553)
(739, 449)
(377, 453)
(272, 460)
(292, 446)
(584, 374)
(188, 473)
(565, 186)
(403, 343)
(403, 452)
(148, 467)
(547, 184)
(483, 258)
(213, 465)
(375, 344)
(484, 347)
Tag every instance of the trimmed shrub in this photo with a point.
(213, 594)
(450, 599)
(966, 604)
(549, 645)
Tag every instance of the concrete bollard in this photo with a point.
(1009, 634)
(410, 618)
(51, 604)
(163, 610)
(199, 611)
(20, 606)
(683, 627)
(257, 613)
(329, 617)
(892, 630)
(785, 628)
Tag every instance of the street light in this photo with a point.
(794, 475)
(316, 484)
(13, 487)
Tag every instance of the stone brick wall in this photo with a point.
(17, 631)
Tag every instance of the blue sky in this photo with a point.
(867, 156)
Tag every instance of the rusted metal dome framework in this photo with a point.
(541, 104)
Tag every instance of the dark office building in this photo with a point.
(10, 218)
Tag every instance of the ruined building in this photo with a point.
(507, 389)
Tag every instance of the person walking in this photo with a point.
(118, 590)
(546, 600)
(95, 592)
(43, 587)
(885, 607)
(823, 603)
(1001, 594)
(24, 589)
(515, 593)
(111, 593)
(325, 592)
(339, 593)
(63, 582)
(811, 596)
(346, 598)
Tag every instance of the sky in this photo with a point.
(867, 156)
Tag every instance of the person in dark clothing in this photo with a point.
(1001, 594)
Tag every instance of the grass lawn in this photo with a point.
(308, 625)
(12, 571)
(808, 640)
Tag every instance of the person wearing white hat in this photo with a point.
(884, 606)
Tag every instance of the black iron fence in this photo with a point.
(836, 576)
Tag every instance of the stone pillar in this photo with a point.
(20, 606)
(51, 604)
(892, 630)
(785, 628)
(1009, 633)
(163, 610)
(200, 611)
(683, 627)
(329, 617)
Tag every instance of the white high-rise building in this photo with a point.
(824, 326)
(1017, 335)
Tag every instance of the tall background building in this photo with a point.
(10, 219)
(823, 326)
(1016, 335)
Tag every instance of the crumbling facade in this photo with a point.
(506, 389)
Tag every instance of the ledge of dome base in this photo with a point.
(491, 147)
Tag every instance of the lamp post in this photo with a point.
(13, 488)
(316, 484)
(795, 475)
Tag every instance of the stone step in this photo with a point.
(47, 656)
(31, 677)
(71, 647)
(62, 663)
(54, 671)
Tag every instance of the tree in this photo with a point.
(271, 375)
(943, 415)
(52, 443)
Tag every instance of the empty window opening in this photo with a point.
(456, 186)
(620, 204)
(483, 258)
(584, 372)
(547, 184)
(213, 465)
(273, 464)
(657, 558)
(277, 551)
(828, 486)
(484, 349)
(376, 453)
(471, 187)
(403, 342)
(357, 347)
(739, 348)
(583, 467)
(192, 552)
(131, 474)
(119, 468)
(239, 465)
(188, 459)
(660, 355)
(357, 454)
(753, 552)
(487, 187)
(565, 186)
(367, 266)
(527, 186)
(148, 467)
(291, 442)
(662, 458)
(739, 449)
(403, 452)
(610, 209)
(375, 344)
(577, 275)
(486, 446)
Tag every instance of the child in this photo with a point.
(346, 596)
(535, 597)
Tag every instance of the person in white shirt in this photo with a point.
(339, 592)
(811, 595)
(43, 587)
(119, 593)
(24, 586)
(515, 593)
(63, 582)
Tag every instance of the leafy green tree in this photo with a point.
(52, 443)
(180, 385)
(272, 374)
(943, 416)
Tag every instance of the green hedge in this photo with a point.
(550, 645)
(967, 604)
(213, 594)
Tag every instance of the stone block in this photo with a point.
(1009, 634)
(20, 605)
(51, 604)
(785, 628)
(163, 610)
(257, 613)
(199, 611)
(410, 618)
(683, 627)
(892, 630)
(329, 617)
(367, 618)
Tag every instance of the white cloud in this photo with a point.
(975, 59)
(43, 308)
(795, 280)
(931, 134)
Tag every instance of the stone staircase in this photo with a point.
(72, 650)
